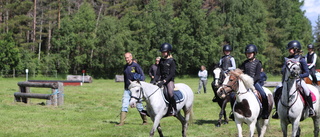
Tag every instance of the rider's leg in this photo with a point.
(277, 96)
(307, 97)
(265, 105)
(172, 101)
(313, 75)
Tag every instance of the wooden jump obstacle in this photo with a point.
(65, 82)
(85, 79)
(56, 98)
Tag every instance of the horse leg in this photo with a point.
(316, 125)
(284, 128)
(239, 127)
(184, 122)
(295, 127)
(252, 127)
(156, 125)
(159, 131)
(224, 105)
(222, 112)
(262, 125)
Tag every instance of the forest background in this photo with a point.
(68, 36)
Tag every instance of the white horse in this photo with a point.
(247, 107)
(157, 107)
(291, 108)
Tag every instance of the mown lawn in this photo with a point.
(93, 110)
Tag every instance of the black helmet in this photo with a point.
(294, 45)
(310, 46)
(251, 49)
(165, 47)
(227, 48)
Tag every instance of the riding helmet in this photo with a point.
(294, 45)
(310, 46)
(251, 49)
(227, 48)
(165, 47)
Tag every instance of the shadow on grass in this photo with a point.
(202, 122)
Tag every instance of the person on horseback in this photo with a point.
(311, 59)
(252, 67)
(294, 49)
(227, 63)
(166, 71)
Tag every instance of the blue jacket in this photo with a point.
(132, 72)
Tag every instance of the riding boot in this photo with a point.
(123, 115)
(310, 104)
(265, 106)
(144, 119)
(173, 107)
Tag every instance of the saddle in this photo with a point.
(258, 95)
(178, 96)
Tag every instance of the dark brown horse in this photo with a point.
(219, 77)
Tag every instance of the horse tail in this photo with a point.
(191, 115)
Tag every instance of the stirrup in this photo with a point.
(311, 112)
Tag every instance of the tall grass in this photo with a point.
(93, 110)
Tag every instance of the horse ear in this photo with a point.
(130, 81)
(138, 80)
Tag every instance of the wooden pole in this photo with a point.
(43, 85)
(31, 95)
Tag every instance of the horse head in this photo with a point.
(136, 92)
(219, 77)
(231, 83)
(293, 68)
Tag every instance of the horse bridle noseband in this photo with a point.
(138, 98)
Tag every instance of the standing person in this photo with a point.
(153, 70)
(203, 74)
(311, 59)
(166, 71)
(263, 77)
(226, 63)
(132, 71)
(252, 67)
(294, 49)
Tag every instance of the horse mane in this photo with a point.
(247, 80)
(134, 84)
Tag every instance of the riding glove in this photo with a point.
(160, 84)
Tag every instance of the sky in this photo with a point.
(312, 8)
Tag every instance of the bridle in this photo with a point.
(232, 87)
(141, 94)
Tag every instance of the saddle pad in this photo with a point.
(178, 96)
(313, 97)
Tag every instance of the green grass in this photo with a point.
(93, 109)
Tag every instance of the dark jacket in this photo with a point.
(132, 72)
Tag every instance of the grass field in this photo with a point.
(93, 109)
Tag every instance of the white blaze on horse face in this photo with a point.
(216, 73)
(220, 92)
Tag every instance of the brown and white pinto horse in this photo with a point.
(247, 107)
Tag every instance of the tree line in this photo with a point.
(68, 36)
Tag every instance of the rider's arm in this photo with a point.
(304, 67)
(314, 61)
(233, 64)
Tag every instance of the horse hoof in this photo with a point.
(225, 122)
(218, 125)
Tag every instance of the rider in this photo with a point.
(226, 63)
(294, 48)
(252, 67)
(311, 59)
(166, 72)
